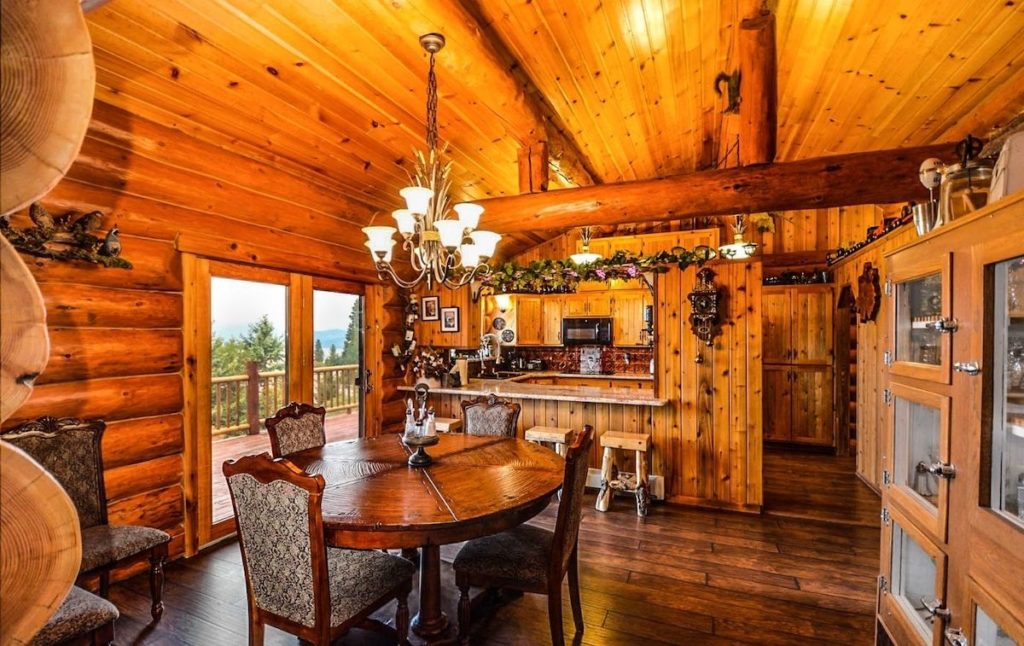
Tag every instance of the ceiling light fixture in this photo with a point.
(450, 251)
(585, 257)
(738, 249)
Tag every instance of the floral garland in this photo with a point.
(563, 276)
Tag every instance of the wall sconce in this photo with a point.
(503, 301)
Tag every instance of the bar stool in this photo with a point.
(560, 437)
(612, 480)
(447, 424)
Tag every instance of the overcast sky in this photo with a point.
(237, 303)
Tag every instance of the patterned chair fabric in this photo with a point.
(82, 612)
(106, 544)
(359, 577)
(489, 416)
(273, 520)
(520, 554)
(296, 427)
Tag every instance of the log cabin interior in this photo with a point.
(512, 322)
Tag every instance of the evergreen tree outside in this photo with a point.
(263, 345)
(318, 353)
(350, 353)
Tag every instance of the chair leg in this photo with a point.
(103, 636)
(105, 584)
(402, 617)
(574, 591)
(255, 632)
(555, 614)
(157, 556)
(465, 613)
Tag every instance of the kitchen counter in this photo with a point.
(513, 389)
(625, 376)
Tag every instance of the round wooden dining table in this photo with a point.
(476, 486)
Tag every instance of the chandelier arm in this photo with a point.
(384, 269)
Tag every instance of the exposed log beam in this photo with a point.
(758, 126)
(879, 177)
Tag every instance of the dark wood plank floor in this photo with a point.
(680, 576)
(815, 486)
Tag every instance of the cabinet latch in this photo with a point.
(943, 325)
(935, 608)
(887, 397)
(883, 583)
(942, 470)
(886, 478)
(888, 287)
(956, 637)
(885, 516)
(887, 357)
(969, 368)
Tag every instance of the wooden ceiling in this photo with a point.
(333, 91)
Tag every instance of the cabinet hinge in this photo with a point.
(885, 516)
(956, 637)
(883, 583)
(887, 357)
(887, 397)
(888, 287)
(886, 478)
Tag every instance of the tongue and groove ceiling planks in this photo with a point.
(332, 92)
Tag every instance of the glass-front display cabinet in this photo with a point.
(1007, 374)
(923, 323)
(913, 586)
(919, 473)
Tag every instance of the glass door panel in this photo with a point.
(249, 373)
(1007, 436)
(915, 570)
(989, 633)
(919, 481)
(922, 324)
(337, 361)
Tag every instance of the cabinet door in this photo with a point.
(627, 318)
(918, 436)
(575, 305)
(551, 320)
(922, 323)
(813, 415)
(811, 330)
(914, 571)
(775, 306)
(777, 398)
(528, 320)
(599, 304)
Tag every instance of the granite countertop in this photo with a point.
(625, 376)
(515, 390)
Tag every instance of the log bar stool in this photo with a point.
(560, 437)
(610, 480)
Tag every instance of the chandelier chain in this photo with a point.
(432, 107)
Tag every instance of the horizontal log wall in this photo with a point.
(116, 335)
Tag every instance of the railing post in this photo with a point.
(252, 396)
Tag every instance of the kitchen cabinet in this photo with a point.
(778, 416)
(954, 454)
(628, 327)
(798, 404)
(797, 324)
(529, 326)
(551, 320)
(587, 304)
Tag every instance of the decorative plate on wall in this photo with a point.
(499, 323)
(508, 336)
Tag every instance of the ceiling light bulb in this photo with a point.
(469, 214)
(417, 198)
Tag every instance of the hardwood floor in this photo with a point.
(817, 486)
(680, 576)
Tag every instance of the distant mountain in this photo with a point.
(327, 337)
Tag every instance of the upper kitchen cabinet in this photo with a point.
(797, 324)
(629, 326)
(923, 325)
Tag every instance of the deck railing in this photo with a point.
(242, 402)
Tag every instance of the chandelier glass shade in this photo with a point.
(738, 249)
(442, 240)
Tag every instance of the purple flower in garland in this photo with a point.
(631, 271)
(600, 273)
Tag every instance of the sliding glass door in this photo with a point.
(337, 361)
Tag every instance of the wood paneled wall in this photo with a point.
(116, 335)
(872, 341)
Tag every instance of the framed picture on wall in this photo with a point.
(449, 319)
(431, 305)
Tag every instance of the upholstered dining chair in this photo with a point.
(81, 618)
(293, 580)
(296, 427)
(488, 415)
(533, 559)
(69, 449)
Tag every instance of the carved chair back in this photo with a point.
(490, 416)
(296, 427)
(570, 510)
(280, 530)
(69, 448)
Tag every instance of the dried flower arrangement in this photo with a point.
(428, 363)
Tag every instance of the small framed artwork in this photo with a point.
(431, 305)
(449, 319)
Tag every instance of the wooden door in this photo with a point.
(810, 319)
(628, 317)
(551, 320)
(775, 326)
(529, 329)
(813, 415)
(777, 403)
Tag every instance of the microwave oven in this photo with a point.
(587, 331)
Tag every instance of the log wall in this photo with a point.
(116, 335)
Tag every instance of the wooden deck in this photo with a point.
(680, 576)
(338, 427)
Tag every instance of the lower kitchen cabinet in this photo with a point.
(798, 404)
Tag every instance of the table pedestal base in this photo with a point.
(430, 621)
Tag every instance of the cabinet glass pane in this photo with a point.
(917, 447)
(1008, 390)
(918, 303)
(913, 575)
(987, 632)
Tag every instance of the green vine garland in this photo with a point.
(563, 276)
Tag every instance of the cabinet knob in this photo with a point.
(935, 608)
(943, 325)
(942, 470)
(970, 368)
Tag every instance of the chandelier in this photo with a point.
(585, 257)
(444, 249)
(738, 249)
